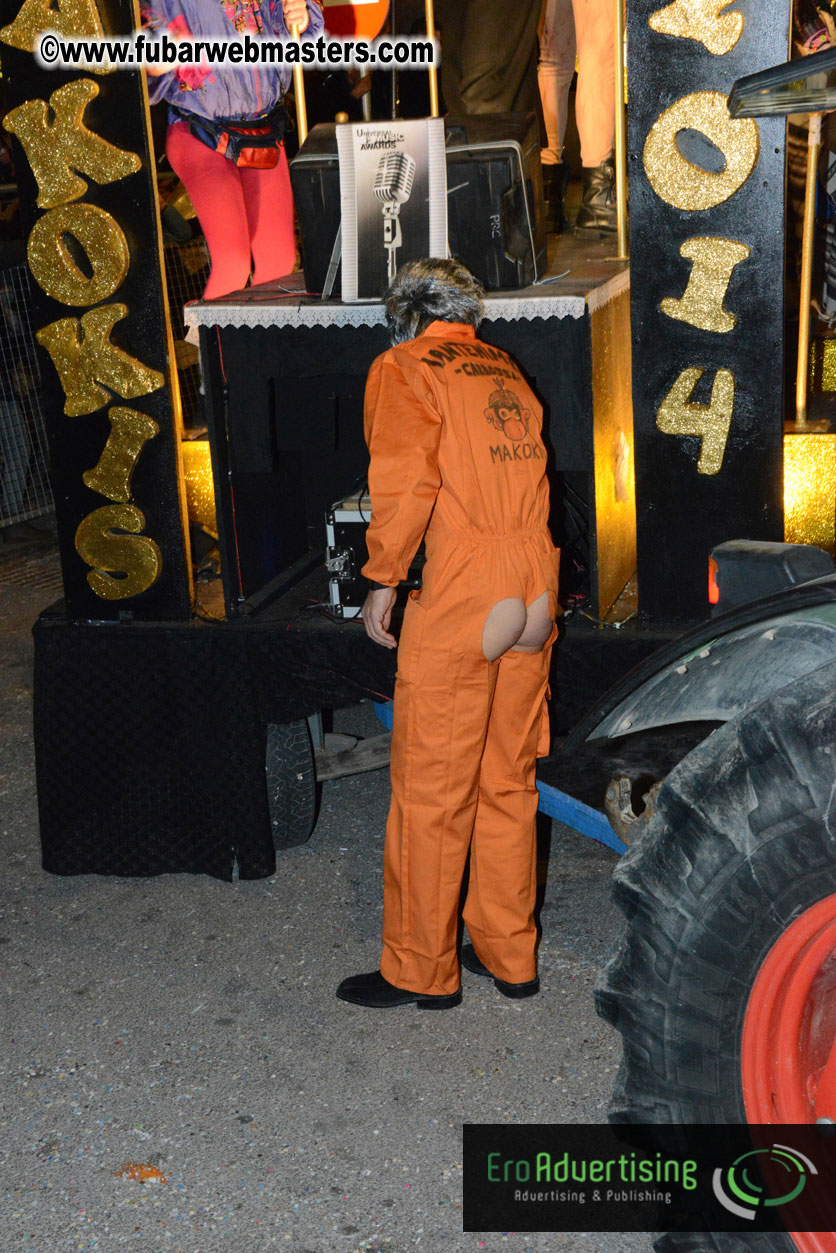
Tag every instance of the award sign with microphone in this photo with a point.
(393, 187)
(393, 194)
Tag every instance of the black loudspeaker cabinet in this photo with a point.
(494, 199)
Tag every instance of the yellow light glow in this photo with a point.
(200, 489)
(823, 365)
(810, 490)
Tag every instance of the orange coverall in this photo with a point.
(453, 431)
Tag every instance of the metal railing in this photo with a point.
(24, 477)
(186, 272)
(25, 491)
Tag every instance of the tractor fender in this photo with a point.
(721, 668)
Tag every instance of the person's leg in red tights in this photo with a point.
(214, 187)
(269, 206)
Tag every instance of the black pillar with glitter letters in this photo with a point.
(88, 200)
(707, 267)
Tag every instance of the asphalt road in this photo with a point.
(187, 1029)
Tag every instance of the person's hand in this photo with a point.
(361, 86)
(177, 29)
(296, 14)
(377, 612)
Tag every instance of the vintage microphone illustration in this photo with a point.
(393, 186)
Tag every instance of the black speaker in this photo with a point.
(494, 199)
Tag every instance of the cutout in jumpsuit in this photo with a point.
(453, 431)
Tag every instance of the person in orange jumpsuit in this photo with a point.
(457, 459)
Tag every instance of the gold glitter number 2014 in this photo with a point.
(678, 415)
(685, 186)
(702, 20)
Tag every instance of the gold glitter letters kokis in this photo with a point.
(129, 430)
(84, 357)
(134, 556)
(70, 18)
(63, 153)
(102, 241)
(686, 186)
(55, 149)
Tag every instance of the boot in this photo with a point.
(597, 215)
(555, 180)
(375, 992)
(516, 991)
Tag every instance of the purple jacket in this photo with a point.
(219, 91)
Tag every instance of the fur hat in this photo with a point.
(432, 289)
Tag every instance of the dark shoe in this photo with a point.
(597, 217)
(376, 992)
(516, 991)
(555, 182)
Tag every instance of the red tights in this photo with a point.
(246, 215)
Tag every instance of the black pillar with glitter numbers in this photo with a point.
(707, 260)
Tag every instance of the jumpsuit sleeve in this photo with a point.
(403, 430)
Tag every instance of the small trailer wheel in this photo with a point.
(292, 793)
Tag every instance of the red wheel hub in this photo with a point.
(788, 1051)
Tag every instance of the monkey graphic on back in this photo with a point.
(506, 413)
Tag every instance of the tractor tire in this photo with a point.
(739, 855)
(292, 792)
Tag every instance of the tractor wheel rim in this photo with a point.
(788, 1032)
(790, 1020)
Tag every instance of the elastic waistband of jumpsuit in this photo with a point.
(490, 537)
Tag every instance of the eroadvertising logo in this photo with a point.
(626, 1177)
(649, 1178)
(741, 1194)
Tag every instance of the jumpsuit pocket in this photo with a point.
(544, 738)
(412, 634)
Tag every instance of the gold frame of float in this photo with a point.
(613, 535)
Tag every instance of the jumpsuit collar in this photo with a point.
(449, 330)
